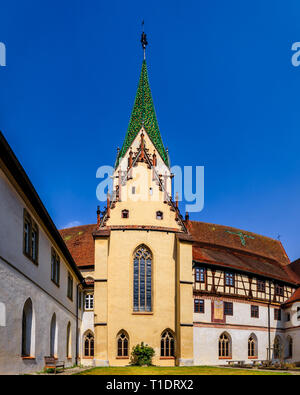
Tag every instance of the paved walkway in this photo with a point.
(66, 372)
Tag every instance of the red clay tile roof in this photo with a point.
(241, 250)
(80, 243)
(225, 236)
(212, 244)
(294, 298)
(244, 262)
(295, 267)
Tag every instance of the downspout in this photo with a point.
(77, 308)
(269, 324)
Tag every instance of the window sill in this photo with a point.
(142, 312)
(28, 358)
(87, 357)
(167, 358)
(36, 263)
(57, 284)
(225, 357)
(252, 357)
(122, 357)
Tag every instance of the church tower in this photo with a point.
(143, 251)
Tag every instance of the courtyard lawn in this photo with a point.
(193, 370)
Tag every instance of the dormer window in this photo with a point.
(125, 214)
(159, 215)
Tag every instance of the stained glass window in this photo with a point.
(167, 345)
(224, 346)
(89, 344)
(142, 280)
(123, 345)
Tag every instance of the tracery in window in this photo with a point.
(224, 346)
(167, 344)
(142, 280)
(122, 342)
(88, 343)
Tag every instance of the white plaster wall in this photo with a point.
(87, 324)
(11, 245)
(206, 338)
(293, 330)
(242, 315)
(206, 344)
(15, 290)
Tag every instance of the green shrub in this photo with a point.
(142, 355)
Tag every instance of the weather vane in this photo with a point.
(144, 40)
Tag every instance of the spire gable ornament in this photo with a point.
(143, 115)
(144, 41)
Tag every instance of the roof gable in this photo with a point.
(143, 115)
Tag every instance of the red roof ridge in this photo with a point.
(238, 229)
(294, 298)
(77, 227)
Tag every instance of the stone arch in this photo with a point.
(225, 345)
(122, 344)
(252, 346)
(53, 336)
(28, 329)
(167, 343)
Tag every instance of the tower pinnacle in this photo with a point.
(144, 40)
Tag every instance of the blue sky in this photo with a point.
(225, 91)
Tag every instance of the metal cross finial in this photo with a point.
(242, 236)
(144, 40)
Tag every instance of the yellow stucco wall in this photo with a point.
(114, 273)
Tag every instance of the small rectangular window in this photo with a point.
(261, 285)
(70, 287)
(298, 313)
(89, 302)
(229, 279)
(30, 238)
(228, 308)
(133, 190)
(254, 312)
(159, 215)
(198, 305)
(279, 290)
(277, 314)
(55, 267)
(125, 214)
(200, 275)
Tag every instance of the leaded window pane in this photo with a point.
(142, 280)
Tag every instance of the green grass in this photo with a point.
(184, 370)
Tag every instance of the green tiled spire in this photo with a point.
(143, 114)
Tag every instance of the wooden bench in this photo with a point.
(238, 363)
(263, 362)
(53, 363)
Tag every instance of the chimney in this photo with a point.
(98, 217)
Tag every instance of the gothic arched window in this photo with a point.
(167, 344)
(277, 348)
(224, 346)
(289, 347)
(123, 340)
(252, 346)
(88, 342)
(53, 336)
(69, 341)
(142, 279)
(28, 329)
